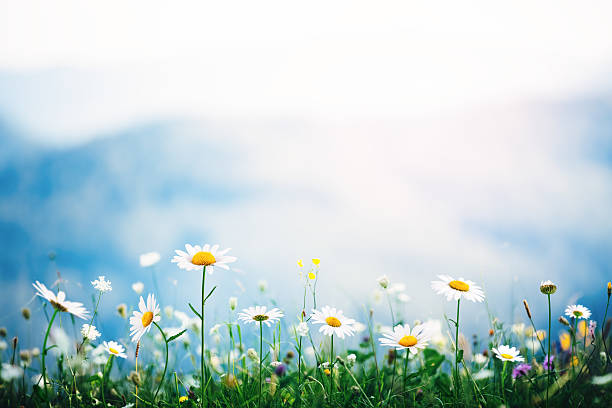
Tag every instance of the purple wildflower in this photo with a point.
(548, 363)
(592, 326)
(520, 370)
(280, 370)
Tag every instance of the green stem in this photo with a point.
(603, 324)
(44, 353)
(503, 377)
(574, 347)
(405, 372)
(331, 369)
(165, 365)
(299, 392)
(203, 374)
(178, 395)
(548, 356)
(260, 360)
(457, 353)
(104, 375)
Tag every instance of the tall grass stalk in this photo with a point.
(44, 353)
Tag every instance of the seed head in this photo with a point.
(563, 321)
(527, 308)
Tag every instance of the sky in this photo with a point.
(410, 140)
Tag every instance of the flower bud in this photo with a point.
(233, 302)
(547, 287)
(25, 312)
(383, 281)
(609, 289)
(563, 321)
(527, 308)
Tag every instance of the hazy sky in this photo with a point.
(468, 138)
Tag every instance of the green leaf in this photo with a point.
(460, 355)
(176, 336)
(194, 311)
(49, 348)
(209, 294)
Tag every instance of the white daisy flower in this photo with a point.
(197, 257)
(507, 353)
(114, 348)
(456, 289)
(351, 359)
(383, 281)
(401, 337)
(59, 301)
(578, 311)
(138, 287)
(11, 372)
(149, 259)
(255, 314)
(102, 285)
(333, 322)
(302, 329)
(141, 320)
(89, 332)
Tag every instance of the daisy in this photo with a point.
(149, 259)
(259, 314)
(197, 257)
(59, 301)
(102, 285)
(456, 289)
(89, 332)
(114, 348)
(141, 320)
(578, 312)
(507, 353)
(401, 337)
(334, 322)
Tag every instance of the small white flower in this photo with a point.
(141, 320)
(233, 302)
(402, 337)
(351, 358)
(259, 314)
(3, 345)
(507, 353)
(578, 312)
(35, 352)
(89, 332)
(383, 281)
(102, 285)
(333, 322)
(483, 374)
(275, 364)
(11, 372)
(114, 348)
(59, 301)
(215, 329)
(480, 358)
(252, 354)
(456, 289)
(206, 256)
(138, 287)
(518, 328)
(149, 259)
(324, 365)
(262, 285)
(302, 329)
(404, 298)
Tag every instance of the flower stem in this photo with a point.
(603, 325)
(503, 375)
(109, 364)
(405, 372)
(299, 392)
(166, 363)
(203, 375)
(44, 353)
(548, 356)
(260, 360)
(457, 352)
(331, 369)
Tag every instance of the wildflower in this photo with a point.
(3, 332)
(149, 259)
(262, 285)
(89, 332)
(25, 357)
(3, 345)
(565, 341)
(25, 312)
(383, 281)
(578, 312)
(302, 329)
(252, 354)
(520, 370)
(333, 321)
(168, 311)
(324, 365)
(206, 256)
(122, 310)
(102, 285)
(114, 348)
(401, 337)
(609, 289)
(601, 379)
(404, 298)
(275, 364)
(483, 374)
(312, 275)
(548, 363)
(592, 327)
(59, 301)
(351, 359)
(300, 263)
(547, 287)
(316, 261)
(563, 321)
(326, 371)
(507, 353)
(134, 378)
(10, 372)
(518, 328)
(233, 302)
(541, 334)
(256, 314)
(183, 398)
(35, 352)
(141, 321)
(280, 370)
(138, 287)
(480, 358)
(456, 289)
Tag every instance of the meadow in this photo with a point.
(258, 356)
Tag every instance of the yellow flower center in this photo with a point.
(407, 341)
(458, 285)
(203, 258)
(333, 322)
(260, 318)
(507, 356)
(577, 313)
(112, 350)
(147, 318)
(58, 306)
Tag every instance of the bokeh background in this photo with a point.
(402, 138)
